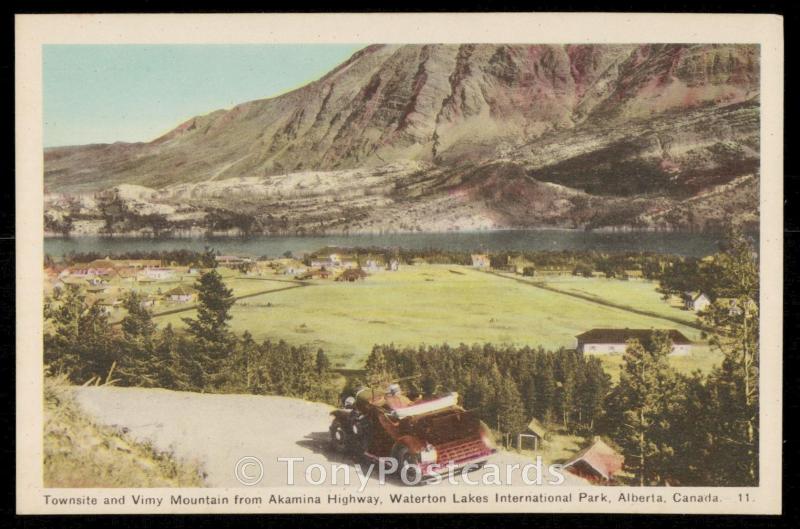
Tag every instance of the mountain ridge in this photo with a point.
(661, 123)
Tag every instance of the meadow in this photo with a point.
(638, 294)
(442, 303)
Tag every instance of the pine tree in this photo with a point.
(642, 409)
(592, 392)
(736, 335)
(172, 369)
(694, 436)
(545, 386)
(79, 342)
(210, 329)
(510, 409)
(322, 362)
(138, 322)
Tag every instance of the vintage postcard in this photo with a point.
(376, 263)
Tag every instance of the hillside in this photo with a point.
(461, 137)
(80, 452)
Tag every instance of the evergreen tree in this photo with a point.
(545, 386)
(694, 436)
(78, 341)
(566, 387)
(208, 259)
(322, 362)
(642, 409)
(510, 410)
(169, 373)
(209, 329)
(138, 322)
(735, 325)
(592, 392)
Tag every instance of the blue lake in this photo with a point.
(689, 244)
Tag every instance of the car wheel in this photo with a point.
(338, 437)
(407, 466)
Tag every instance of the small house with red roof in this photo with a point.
(596, 462)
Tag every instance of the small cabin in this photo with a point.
(534, 433)
(696, 301)
(598, 462)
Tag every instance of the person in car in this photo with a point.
(394, 397)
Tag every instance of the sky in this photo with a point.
(108, 93)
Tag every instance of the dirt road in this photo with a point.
(219, 430)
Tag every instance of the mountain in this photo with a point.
(462, 136)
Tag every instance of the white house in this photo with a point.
(326, 263)
(735, 307)
(181, 294)
(231, 261)
(157, 273)
(611, 341)
(480, 260)
(332, 262)
(696, 301)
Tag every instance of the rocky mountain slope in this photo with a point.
(461, 137)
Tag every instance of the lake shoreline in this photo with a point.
(678, 243)
(228, 235)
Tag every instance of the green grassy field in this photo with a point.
(240, 285)
(433, 304)
(639, 294)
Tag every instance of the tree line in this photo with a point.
(80, 342)
(506, 385)
(179, 257)
(676, 272)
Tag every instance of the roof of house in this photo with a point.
(538, 428)
(107, 262)
(181, 290)
(694, 295)
(600, 457)
(623, 335)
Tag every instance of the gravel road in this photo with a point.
(217, 431)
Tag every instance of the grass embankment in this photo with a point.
(80, 453)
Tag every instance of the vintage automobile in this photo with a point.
(426, 437)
